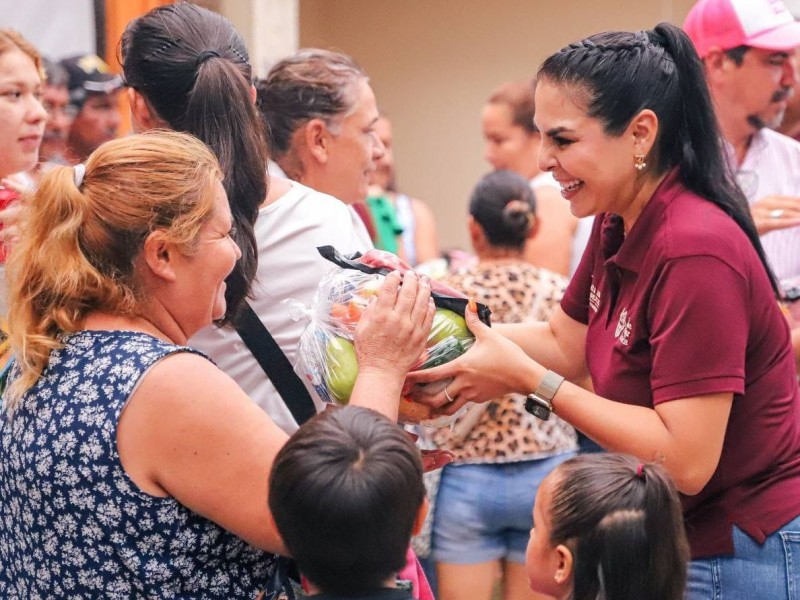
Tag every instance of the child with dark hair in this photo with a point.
(608, 526)
(346, 494)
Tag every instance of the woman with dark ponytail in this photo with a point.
(672, 311)
(608, 527)
(187, 69)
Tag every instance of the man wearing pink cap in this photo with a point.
(747, 47)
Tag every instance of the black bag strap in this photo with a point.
(284, 580)
(457, 305)
(275, 364)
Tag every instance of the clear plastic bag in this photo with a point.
(326, 353)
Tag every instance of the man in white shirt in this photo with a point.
(748, 49)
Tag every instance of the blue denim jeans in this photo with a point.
(484, 511)
(587, 445)
(770, 571)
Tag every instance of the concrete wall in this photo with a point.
(433, 63)
(269, 28)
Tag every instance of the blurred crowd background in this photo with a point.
(432, 65)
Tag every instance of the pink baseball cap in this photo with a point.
(726, 24)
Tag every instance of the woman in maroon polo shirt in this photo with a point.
(672, 311)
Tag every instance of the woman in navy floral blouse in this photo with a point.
(130, 466)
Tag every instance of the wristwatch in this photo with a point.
(540, 402)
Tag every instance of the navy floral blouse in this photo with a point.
(72, 523)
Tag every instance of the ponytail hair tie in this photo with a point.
(204, 56)
(79, 171)
(640, 471)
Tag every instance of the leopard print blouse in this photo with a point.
(503, 431)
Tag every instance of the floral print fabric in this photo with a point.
(72, 523)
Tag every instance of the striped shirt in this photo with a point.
(772, 166)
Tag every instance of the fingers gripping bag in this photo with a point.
(326, 353)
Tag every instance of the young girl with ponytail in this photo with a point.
(610, 527)
(672, 311)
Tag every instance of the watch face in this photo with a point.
(537, 410)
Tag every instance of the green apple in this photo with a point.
(341, 368)
(447, 323)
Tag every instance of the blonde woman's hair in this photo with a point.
(13, 40)
(80, 238)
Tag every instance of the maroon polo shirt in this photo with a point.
(682, 307)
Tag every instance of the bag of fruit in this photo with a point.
(326, 355)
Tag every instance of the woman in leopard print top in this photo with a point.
(483, 512)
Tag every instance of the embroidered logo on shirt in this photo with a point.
(623, 330)
(594, 298)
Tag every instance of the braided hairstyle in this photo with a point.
(191, 66)
(623, 73)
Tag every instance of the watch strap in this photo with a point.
(549, 385)
(540, 402)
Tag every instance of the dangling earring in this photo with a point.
(638, 162)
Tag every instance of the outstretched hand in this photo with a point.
(434, 458)
(492, 367)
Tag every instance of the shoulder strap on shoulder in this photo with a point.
(275, 364)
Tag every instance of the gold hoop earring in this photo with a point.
(638, 162)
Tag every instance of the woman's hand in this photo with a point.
(9, 223)
(389, 339)
(775, 212)
(394, 327)
(15, 185)
(492, 367)
(436, 459)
